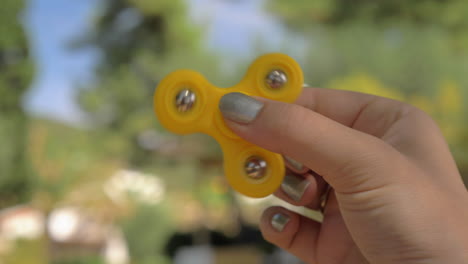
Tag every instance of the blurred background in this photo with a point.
(87, 175)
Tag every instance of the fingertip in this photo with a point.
(291, 231)
(279, 225)
(299, 190)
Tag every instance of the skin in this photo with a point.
(397, 194)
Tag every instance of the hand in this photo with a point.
(397, 195)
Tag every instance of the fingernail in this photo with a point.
(294, 186)
(239, 107)
(295, 165)
(279, 221)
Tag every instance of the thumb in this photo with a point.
(349, 160)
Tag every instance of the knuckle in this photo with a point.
(419, 116)
(422, 115)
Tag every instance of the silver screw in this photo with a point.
(276, 79)
(255, 168)
(185, 100)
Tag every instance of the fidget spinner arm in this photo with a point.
(185, 102)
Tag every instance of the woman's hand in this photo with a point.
(397, 195)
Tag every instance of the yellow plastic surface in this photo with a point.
(205, 117)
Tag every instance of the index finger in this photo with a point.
(406, 128)
(347, 107)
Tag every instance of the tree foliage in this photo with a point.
(140, 41)
(15, 75)
(450, 16)
(446, 13)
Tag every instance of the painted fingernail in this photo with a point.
(239, 107)
(294, 186)
(295, 165)
(279, 221)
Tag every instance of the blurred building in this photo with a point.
(19, 222)
(73, 233)
(70, 233)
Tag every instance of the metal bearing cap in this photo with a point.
(276, 79)
(255, 168)
(185, 100)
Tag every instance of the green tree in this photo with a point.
(15, 74)
(450, 14)
(140, 41)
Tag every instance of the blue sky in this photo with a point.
(51, 24)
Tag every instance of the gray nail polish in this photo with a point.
(294, 186)
(239, 107)
(279, 221)
(295, 165)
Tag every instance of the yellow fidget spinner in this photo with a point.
(185, 102)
